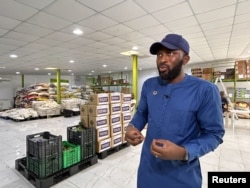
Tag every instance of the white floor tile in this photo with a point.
(118, 170)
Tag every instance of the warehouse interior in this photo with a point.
(37, 40)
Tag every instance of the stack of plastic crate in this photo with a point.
(86, 137)
(44, 154)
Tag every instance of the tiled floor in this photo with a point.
(119, 169)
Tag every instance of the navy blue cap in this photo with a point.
(171, 42)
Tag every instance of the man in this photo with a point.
(183, 117)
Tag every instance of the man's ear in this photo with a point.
(186, 59)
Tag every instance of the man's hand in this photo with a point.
(133, 135)
(167, 150)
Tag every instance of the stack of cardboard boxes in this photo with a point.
(109, 114)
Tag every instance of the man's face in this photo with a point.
(169, 64)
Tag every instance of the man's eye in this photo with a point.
(159, 54)
(170, 54)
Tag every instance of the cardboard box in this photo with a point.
(123, 139)
(98, 110)
(99, 99)
(125, 90)
(116, 140)
(115, 119)
(102, 133)
(84, 120)
(115, 129)
(115, 97)
(115, 108)
(103, 145)
(83, 109)
(126, 107)
(126, 117)
(98, 121)
(126, 98)
(124, 127)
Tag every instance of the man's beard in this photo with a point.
(171, 74)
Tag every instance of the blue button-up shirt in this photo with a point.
(187, 113)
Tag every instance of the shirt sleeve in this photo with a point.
(210, 122)
(140, 118)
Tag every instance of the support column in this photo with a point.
(135, 77)
(22, 81)
(58, 87)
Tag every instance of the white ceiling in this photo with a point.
(40, 32)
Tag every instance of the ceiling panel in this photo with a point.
(40, 32)
(62, 9)
(12, 9)
(48, 21)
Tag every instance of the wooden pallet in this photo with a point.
(20, 166)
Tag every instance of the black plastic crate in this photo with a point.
(88, 150)
(43, 168)
(42, 145)
(86, 137)
(67, 113)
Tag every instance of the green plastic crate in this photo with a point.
(71, 154)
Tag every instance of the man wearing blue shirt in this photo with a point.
(184, 120)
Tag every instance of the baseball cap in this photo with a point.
(172, 42)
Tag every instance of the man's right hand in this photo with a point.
(133, 135)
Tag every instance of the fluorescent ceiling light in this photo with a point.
(129, 53)
(51, 68)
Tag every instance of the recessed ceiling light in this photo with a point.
(104, 65)
(36, 69)
(17, 72)
(135, 48)
(125, 68)
(69, 70)
(78, 32)
(92, 71)
(13, 56)
(71, 61)
(49, 73)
